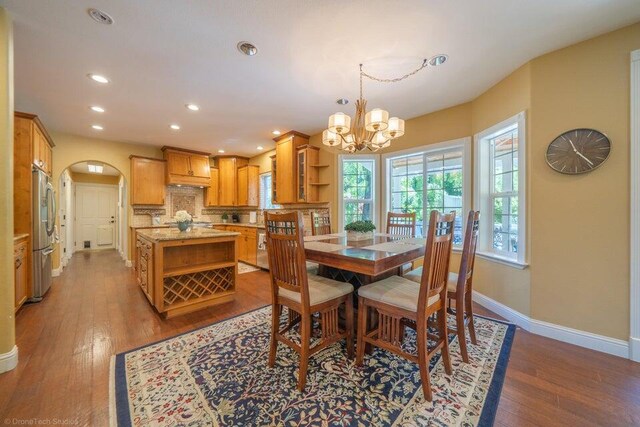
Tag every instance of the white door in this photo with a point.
(95, 211)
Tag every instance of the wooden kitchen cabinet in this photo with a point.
(248, 183)
(211, 193)
(286, 160)
(307, 168)
(238, 181)
(147, 181)
(144, 267)
(21, 276)
(187, 167)
(247, 242)
(36, 140)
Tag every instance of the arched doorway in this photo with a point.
(92, 210)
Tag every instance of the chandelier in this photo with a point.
(371, 130)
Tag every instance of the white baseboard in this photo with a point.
(9, 360)
(634, 349)
(584, 339)
(56, 272)
(128, 263)
(500, 309)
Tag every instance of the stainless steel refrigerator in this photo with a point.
(44, 220)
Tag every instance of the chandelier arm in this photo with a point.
(425, 64)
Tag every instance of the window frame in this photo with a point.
(375, 190)
(261, 204)
(484, 194)
(460, 144)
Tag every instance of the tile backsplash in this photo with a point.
(191, 199)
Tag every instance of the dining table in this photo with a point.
(362, 261)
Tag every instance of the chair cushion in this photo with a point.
(396, 291)
(416, 276)
(321, 290)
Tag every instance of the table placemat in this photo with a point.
(324, 247)
(397, 247)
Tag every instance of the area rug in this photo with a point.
(246, 268)
(218, 376)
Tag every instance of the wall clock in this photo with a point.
(578, 151)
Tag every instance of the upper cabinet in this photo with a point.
(212, 193)
(295, 170)
(238, 181)
(147, 181)
(248, 182)
(187, 167)
(34, 138)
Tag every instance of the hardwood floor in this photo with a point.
(95, 310)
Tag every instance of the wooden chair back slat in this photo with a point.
(401, 224)
(435, 271)
(285, 250)
(467, 262)
(320, 223)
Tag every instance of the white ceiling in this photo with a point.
(161, 54)
(82, 167)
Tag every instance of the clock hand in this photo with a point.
(573, 146)
(581, 155)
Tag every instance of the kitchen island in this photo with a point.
(180, 272)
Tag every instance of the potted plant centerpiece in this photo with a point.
(360, 230)
(184, 220)
(225, 217)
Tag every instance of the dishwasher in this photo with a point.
(262, 258)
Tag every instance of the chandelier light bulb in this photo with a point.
(395, 129)
(376, 120)
(340, 123)
(330, 138)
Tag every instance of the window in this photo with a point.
(265, 192)
(430, 178)
(358, 189)
(500, 190)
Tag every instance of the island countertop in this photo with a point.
(166, 234)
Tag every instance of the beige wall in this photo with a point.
(580, 224)
(263, 160)
(72, 149)
(90, 178)
(7, 289)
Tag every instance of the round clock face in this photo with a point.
(578, 151)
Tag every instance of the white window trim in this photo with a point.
(260, 201)
(464, 143)
(482, 191)
(376, 186)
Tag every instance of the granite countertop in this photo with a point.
(17, 237)
(164, 234)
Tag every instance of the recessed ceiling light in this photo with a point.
(97, 109)
(436, 60)
(97, 127)
(342, 101)
(220, 151)
(276, 132)
(174, 127)
(247, 48)
(95, 167)
(100, 16)
(192, 107)
(260, 147)
(98, 78)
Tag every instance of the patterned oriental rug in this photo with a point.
(218, 376)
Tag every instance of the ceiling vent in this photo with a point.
(100, 16)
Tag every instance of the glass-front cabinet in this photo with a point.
(302, 172)
(307, 184)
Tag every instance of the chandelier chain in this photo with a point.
(425, 64)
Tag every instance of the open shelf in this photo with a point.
(319, 183)
(188, 269)
(319, 166)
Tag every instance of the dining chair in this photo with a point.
(320, 223)
(460, 285)
(401, 224)
(397, 300)
(302, 294)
